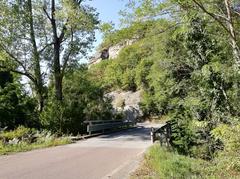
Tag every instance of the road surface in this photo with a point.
(106, 156)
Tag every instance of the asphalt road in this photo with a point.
(107, 156)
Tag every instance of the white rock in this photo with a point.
(113, 51)
(130, 108)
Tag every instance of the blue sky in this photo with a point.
(108, 12)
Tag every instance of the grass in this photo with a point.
(24, 146)
(25, 139)
(160, 163)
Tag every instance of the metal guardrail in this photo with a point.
(102, 125)
(163, 134)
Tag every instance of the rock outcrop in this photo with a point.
(111, 52)
(127, 103)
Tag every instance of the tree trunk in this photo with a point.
(57, 72)
(233, 38)
(40, 100)
(56, 57)
(36, 59)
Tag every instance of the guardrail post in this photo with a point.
(169, 133)
(89, 131)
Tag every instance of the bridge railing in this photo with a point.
(163, 134)
(103, 125)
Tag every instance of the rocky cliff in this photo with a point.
(127, 103)
(111, 52)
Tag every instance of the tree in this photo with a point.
(144, 10)
(72, 32)
(18, 47)
(83, 100)
(225, 13)
(40, 34)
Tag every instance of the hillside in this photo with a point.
(124, 61)
(183, 77)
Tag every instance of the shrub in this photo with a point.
(16, 107)
(24, 139)
(18, 133)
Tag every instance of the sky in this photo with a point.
(108, 12)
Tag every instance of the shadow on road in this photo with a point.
(139, 133)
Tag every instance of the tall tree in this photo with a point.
(36, 35)
(18, 47)
(72, 32)
(225, 13)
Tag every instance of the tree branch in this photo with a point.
(63, 31)
(48, 16)
(13, 57)
(79, 2)
(237, 13)
(68, 56)
(214, 16)
(19, 72)
(47, 45)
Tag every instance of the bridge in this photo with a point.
(112, 155)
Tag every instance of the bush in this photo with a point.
(16, 107)
(18, 133)
(227, 161)
(24, 139)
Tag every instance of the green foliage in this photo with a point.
(167, 164)
(229, 135)
(162, 163)
(6, 77)
(16, 108)
(52, 116)
(83, 100)
(188, 83)
(186, 73)
(142, 72)
(129, 71)
(144, 10)
(135, 31)
(226, 163)
(18, 133)
(24, 139)
(107, 29)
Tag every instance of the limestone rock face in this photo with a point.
(123, 102)
(114, 50)
(110, 53)
(128, 103)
